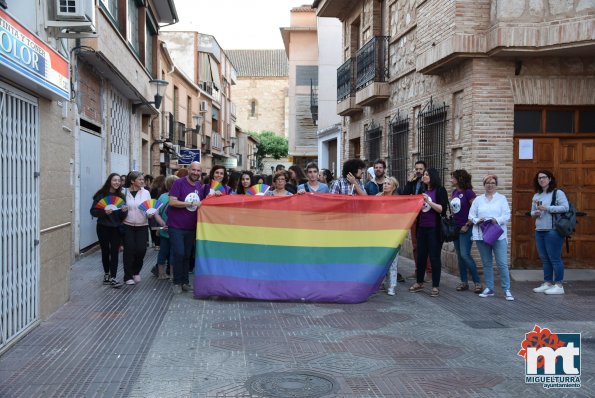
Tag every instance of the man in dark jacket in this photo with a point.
(415, 187)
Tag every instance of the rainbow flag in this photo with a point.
(320, 248)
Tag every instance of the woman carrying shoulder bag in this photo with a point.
(548, 241)
(429, 241)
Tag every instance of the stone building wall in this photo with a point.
(270, 94)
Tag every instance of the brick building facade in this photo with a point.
(460, 83)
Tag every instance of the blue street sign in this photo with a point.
(188, 156)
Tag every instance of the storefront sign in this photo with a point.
(229, 163)
(30, 62)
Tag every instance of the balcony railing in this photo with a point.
(372, 62)
(345, 79)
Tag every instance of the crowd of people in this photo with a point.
(173, 225)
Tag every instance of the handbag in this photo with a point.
(449, 230)
(491, 232)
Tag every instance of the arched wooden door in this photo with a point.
(572, 160)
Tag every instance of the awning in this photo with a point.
(215, 73)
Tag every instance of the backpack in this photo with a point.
(564, 223)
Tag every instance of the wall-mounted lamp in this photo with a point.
(158, 87)
(197, 119)
(232, 146)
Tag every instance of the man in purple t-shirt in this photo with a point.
(184, 200)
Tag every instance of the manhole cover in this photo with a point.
(291, 384)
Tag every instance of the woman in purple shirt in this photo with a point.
(460, 203)
(429, 241)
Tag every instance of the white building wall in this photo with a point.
(329, 59)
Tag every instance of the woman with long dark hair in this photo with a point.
(548, 241)
(429, 241)
(246, 181)
(108, 228)
(296, 177)
(460, 203)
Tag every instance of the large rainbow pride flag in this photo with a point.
(311, 247)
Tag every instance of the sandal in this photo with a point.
(462, 286)
(435, 292)
(416, 287)
(478, 288)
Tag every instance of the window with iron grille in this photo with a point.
(431, 127)
(398, 141)
(373, 143)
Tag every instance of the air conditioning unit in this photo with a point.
(204, 106)
(74, 18)
(75, 10)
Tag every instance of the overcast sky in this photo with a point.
(237, 24)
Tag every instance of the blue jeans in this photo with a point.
(549, 247)
(164, 251)
(499, 249)
(181, 242)
(466, 262)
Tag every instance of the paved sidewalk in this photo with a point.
(142, 341)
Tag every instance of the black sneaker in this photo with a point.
(106, 279)
(114, 283)
(400, 278)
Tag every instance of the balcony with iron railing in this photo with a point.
(372, 72)
(346, 105)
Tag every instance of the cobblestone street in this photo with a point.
(142, 341)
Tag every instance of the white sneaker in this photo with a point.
(544, 286)
(136, 278)
(487, 292)
(556, 289)
(508, 295)
(130, 282)
(391, 291)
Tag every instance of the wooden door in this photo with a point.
(572, 161)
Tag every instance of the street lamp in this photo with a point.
(158, 87)
(197, 119)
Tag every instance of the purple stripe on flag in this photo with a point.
(309, 291)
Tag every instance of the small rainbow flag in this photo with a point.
(150, 206)
(258, 189)
(320, 248)
(110, 202)
(217, 186)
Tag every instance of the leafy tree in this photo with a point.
(269, 144)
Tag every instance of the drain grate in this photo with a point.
(291, 385)
(487, 324)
